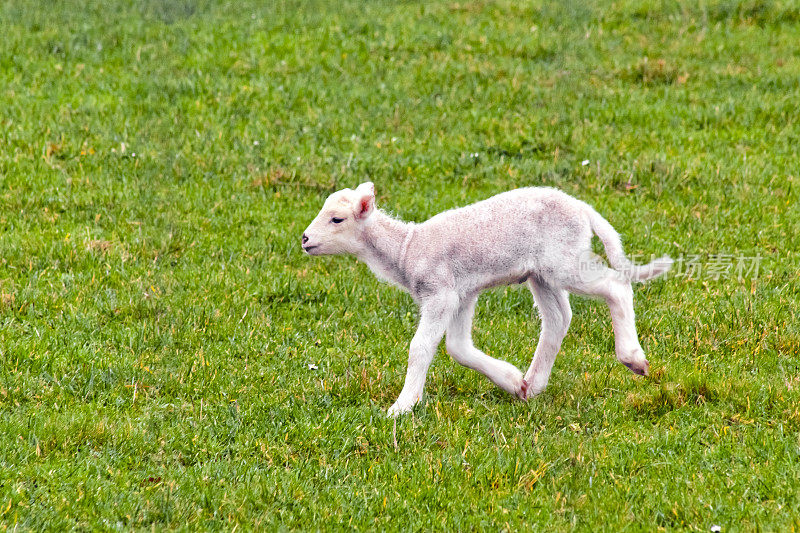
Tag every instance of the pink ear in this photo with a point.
(365, 206)
(366, 200)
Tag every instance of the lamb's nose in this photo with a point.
(305, 238)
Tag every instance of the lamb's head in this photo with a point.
(337, 227)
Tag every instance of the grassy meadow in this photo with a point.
(170, 359)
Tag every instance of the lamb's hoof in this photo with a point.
(530, 388)
(398, 409)
(640, 368)
(522, 393)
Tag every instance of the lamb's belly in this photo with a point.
(487, 280)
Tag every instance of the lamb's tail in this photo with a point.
(616, 255)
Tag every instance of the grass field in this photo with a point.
(159, 161)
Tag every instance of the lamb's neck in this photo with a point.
(385, 243)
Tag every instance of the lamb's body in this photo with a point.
(536, 235)
(502, 240)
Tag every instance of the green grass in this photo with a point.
(158, 316)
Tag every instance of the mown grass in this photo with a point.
(158, 161)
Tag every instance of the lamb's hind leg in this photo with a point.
(556, 315)
(460, 347)
(618, 294)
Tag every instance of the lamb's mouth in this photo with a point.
(308, 249)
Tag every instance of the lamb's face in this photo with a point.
(335, 230)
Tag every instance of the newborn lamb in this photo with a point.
(538, 236)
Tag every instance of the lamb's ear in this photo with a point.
(365, 200)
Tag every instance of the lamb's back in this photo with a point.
(503, 234)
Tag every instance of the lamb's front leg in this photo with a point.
(435, 314)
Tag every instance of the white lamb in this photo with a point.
(541, 236)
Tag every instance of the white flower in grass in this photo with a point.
(312, 366)
(584, 162)
(715, 529)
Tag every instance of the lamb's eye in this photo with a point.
(337, 220)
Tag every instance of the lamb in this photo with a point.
(539, 236)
